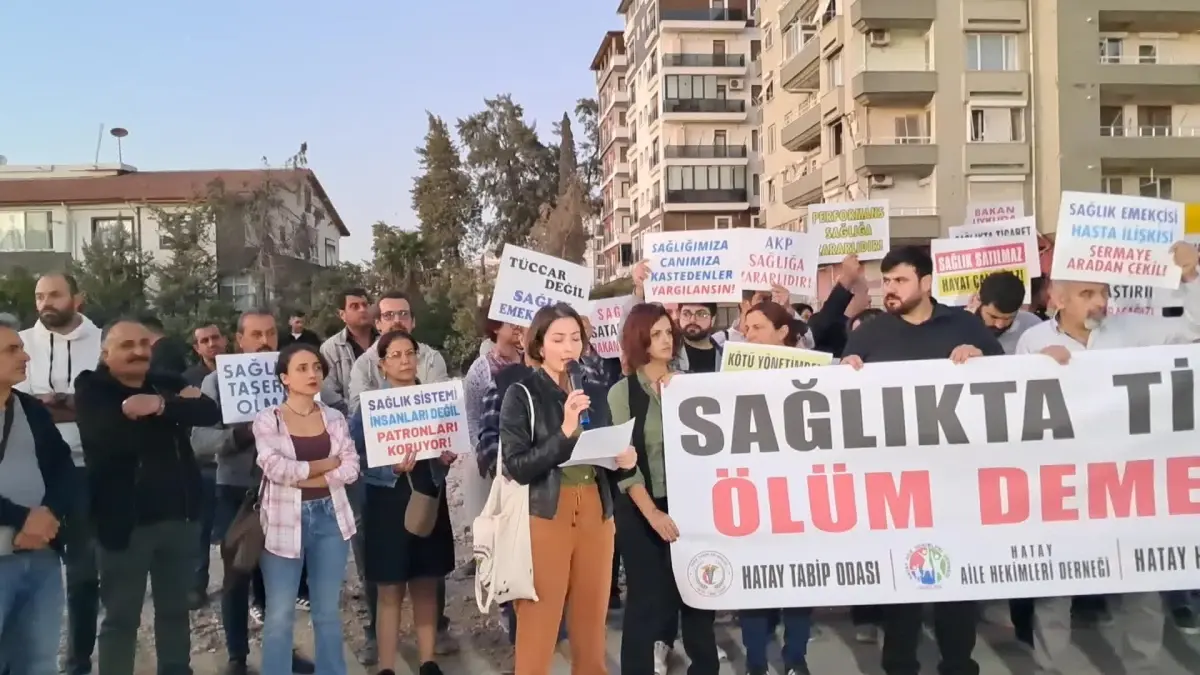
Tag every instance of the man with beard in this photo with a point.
(233, 447)
(62, 344)
(1082, 323)
(135, 425)
(999, 307)
(915, 327)
(696, 323)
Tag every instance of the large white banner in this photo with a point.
(927, 481)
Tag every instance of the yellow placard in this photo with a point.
(967, 284)
(746, 356)
(1191, 219)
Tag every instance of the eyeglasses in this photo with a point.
(398, 314)
(699, 315)
(400, 355)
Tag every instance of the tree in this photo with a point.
(112, 273)
(401, 259)
(187, 282)
(514, 173)
(16, 295)
(444, 199)
(327, 288)
(559, 230)
(591, 164)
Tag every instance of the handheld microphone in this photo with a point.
(575, 376)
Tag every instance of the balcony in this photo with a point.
(913, 225)
(801, 10)
(996, 159)
(701, 109)
(994, 83)
(1147, 16)
(718, 152)
(1162, 149)
(802, 126)
(612, 99)
(907, 154)
(621, 203)
(868, 15)
(1123, 79)
(714, 19)
(707, 200)
(806, 186)
(724, 64)
(894, 88)
(802, 70)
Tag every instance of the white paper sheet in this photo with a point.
(600, 447)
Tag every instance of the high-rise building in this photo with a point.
(692, 158)
(612, 246)
(937, 104)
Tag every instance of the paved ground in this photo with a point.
(832, 652)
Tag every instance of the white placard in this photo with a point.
(982, 213)
(1023, 228)
(1005, 477)
(1117, 239)
(961, 265)
(426, 419)
(777, 257)
(860, 228)
(693, 266)
(528, 280)
(247, 384)
(608, 315)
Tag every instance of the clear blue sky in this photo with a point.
(222, 83)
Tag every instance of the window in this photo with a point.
(754, 221)
(621, 119)
(720, 138)
(768, 36)
(770, 190)
(771, 138)
(1159, 188)
(1111, 49)
(1112, 120)
(110, 227)
(1154, 120)
(26, 231)
(1148, 54)
(754, 185)
(754, 140)
(1112, 185)
(991, 51)
(723, 222)
(240, 291)
(755, 49)
(997, 125)
(706, 178)
(908, 129)
(833, 70)
(331, 252)
(621, 83)
(835, 138)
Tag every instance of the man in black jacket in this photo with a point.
(36, 492)
(145, 491)
(298, 332)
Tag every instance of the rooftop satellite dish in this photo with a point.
(119, 133)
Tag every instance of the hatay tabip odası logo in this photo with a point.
(710, 574)
(927, 565)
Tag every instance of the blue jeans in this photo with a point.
(758, 626)
(208, 506)
(325, 553)
(31, 610)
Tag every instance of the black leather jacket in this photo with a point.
(534, 461)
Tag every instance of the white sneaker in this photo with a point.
(661, 651)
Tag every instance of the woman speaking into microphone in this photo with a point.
(570, 525)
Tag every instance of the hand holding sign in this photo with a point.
(1187, 257)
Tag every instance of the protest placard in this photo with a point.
(608, 315)
(693, 266)
(425, 419)
(981, 213)
(961, 265)
(1007, 477)
(1117, 239)
(736, 356)
(247, 384)
(775, 257)
(844, 228)
(1024, 228)
(528, 281)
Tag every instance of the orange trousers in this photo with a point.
(572, 567)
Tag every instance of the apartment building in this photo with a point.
(937, 104)
(615, 228)
(693, 129)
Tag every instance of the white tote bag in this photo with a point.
(503, 550)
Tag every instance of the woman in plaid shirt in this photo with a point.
(307, 459)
